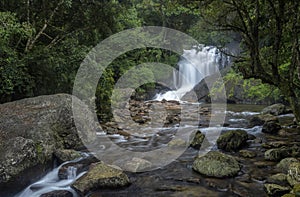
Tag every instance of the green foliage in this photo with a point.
(252, 89)
(15, 79)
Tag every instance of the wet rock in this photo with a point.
(296, 189)
(32, 129)
(274, 144)
(276, 109)
(100, 176)
(255, 121)
(277, 154)
(279, 178)
(137, 165)
(276, 190)
(271, 127)
(58, 193)
(293, 176)
(232, 140)
(177, 143)
(192, 191)
(260, 119)
(64, 155)
(289, 195)
(247, 153)
(285, 163)
(198, 139)
(216, 164)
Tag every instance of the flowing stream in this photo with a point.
(51, 182)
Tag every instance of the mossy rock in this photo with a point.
(247, 153)
(293, 176)
(296, 189)
(198, 140)
(285, 163)
(232, 140)
(276, 190)
(216, 164)
(279, 178)
(100, 176)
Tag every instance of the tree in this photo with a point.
(270, 32)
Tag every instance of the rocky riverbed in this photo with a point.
(257, 153)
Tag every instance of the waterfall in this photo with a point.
(72, 172)
(51, 182)
(195, 64)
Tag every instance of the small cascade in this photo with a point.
(195, 64)
(51, 182)
(72, 172)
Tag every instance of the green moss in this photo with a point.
(248, 88)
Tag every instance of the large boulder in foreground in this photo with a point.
(216, 164)
(100, 176)
(232, 140)
(31, 130)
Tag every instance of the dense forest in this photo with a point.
(44, 42)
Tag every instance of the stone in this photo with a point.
(177, 143)
(277, 154)
(279, 178)
(58, 193)
(255, 121)
(137, 165)
(285, 163)
(276, 190)
(100, 176)
(197, 140)
(232, 140)
(271, 127)
(289, 195)
(293, 176)
(216, 164)
(64, 155)
(296, 189)
(247, 153)
(276, 109)
(31, 130)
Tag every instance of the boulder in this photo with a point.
(63, 155)
(279, 178)
(276, 190)
(276, 109)
(100, 176)
(293, 176)
(260, 119)
(296, 189)
(285, 163)
(277, 154)
(216, 164)
(232, 140)
(31, 130)
(271, 127)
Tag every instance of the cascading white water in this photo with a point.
(51, 182)
(195, 64)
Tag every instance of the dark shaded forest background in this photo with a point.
(42, 43)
